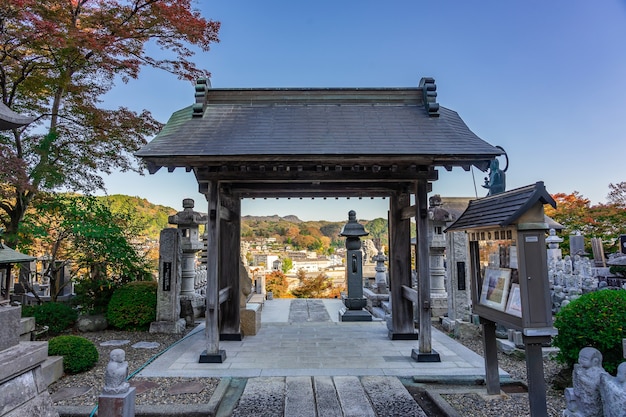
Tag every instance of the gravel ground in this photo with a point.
(160, 390)
(468, 404)
(478, 404)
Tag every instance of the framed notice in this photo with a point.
(495, 288)
(514, 305)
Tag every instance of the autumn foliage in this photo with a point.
(604, 221)
(57, 60)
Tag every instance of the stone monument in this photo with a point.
(168, 301)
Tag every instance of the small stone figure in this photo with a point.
(116, 373)
(584, 400)
(613, 392)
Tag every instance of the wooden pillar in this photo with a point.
(490, 347)
(534, 370)
(212, 354)
(400, 268)
(229, 256)
(425, 353)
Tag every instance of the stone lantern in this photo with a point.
(438, 217)
(354, 301)
(188, 221)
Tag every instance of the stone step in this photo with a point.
(325, 396)
(52, 369)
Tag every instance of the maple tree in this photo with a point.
(82, 232)
(57, 60)
(575, 213)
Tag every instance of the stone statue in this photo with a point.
(116, 373)
(613, 391)
(245, 285)
(583, 399)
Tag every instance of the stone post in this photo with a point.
(188, 222)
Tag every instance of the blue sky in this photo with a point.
(546, 80)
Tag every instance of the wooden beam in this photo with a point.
(225, 294)
(410, 294)
(407, 212)
(310, 173)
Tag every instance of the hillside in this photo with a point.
(314, 235)
(150, 218)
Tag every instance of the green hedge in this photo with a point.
(596, 319)
(57, 316)
(79, 354)
(133, 306)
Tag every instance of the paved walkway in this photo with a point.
(305, 338)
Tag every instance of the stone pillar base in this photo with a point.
(402, 336)
(354, 315)
(117, 405)
(169, 327)
(439, 304)
(218, 357)
(433, 356)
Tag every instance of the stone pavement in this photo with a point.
(305, 338)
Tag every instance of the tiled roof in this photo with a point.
(502, 209)
(10, 256)
(253, 124)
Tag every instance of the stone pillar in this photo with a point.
(459, 297)
(168, 301)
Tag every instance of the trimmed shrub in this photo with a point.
(93, 296)
(596, 319)
(57, 316)
(79, 354)
(133, 306)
